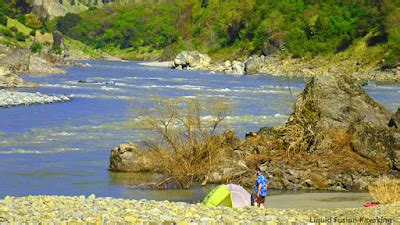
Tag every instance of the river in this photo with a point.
(63, 148)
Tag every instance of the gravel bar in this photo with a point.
(83, 210)
(15, 98)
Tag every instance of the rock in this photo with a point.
(38, 65)
(54, 8)
(237, 68)
(395, 120)
(17, 59)
(22, 60)
(128, 158)
(253, 64)
(10, 80)
(192, 59)
(108, 57)
(334, 112)
(58, 39)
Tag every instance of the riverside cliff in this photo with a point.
(338, 138)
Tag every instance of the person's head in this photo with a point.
(258, 170)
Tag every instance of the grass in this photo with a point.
(385, 190)
(77, 46)
(142, 53)
(21, 27)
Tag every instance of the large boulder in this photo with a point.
(253, 64)
(192, 60)
(128, 158)
(236, 69)
(333, 113)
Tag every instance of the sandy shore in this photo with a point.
(81, 209)
(328, 200)
(158, 64)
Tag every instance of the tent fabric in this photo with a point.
(230, 195)
(219, 196)
(240, 197)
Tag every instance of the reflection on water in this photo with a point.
(64, 148)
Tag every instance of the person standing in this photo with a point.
(260, 188)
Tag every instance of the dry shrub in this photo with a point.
(185, 145)
(340, 137)
(339, 155)
(385, 190)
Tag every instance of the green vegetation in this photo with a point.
(20, 36)
(236, 29)
(18, 26)
(32, 21)
(36, 47)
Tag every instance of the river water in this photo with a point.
(63, 148)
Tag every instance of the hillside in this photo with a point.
(237, 29)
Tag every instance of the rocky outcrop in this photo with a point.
(281, 65)
(55, 8)
(337, 138)
(237, 68)
(22, 60)
(192, 60)
(336, 105)
(128, 158)
(253, 64)
(10, 80)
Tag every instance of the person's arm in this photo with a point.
(259, 190)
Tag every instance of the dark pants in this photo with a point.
(257, 200)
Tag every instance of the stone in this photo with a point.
(253, 64)
(128, 158)
(22, 60)
(237, 68)
(10, 80)
(192, 60)
(58, 39)
(39, 65)
(333, 105)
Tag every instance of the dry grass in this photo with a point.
(385, 190)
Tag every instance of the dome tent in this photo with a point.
(230, 195)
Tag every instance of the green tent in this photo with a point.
(219, 196)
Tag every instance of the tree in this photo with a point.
(32, 21)
(64, 24)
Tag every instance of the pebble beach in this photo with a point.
(82, 210)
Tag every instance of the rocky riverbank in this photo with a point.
(279, 65)
(14, 98)
(57, 209)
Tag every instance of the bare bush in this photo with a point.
(385, 190)
(185, 137)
